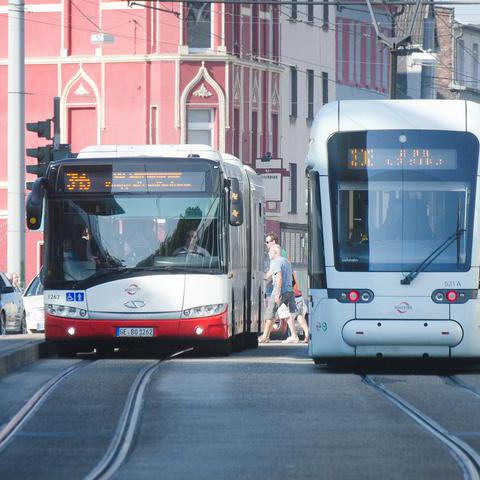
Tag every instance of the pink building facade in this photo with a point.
(363, 62)
(175, 73)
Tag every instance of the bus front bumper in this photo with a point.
(204, 328)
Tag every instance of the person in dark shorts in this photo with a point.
(282, 293)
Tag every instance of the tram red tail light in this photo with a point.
(452, 296)
(353, 296)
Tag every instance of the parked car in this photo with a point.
(33, 301)
(12, 311)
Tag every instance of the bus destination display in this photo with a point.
(402, 158)
(101, 179)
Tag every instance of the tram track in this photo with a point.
(127, 427)
(456, 382)
(8, 431)
(467, 458)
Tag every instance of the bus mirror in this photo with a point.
(35, 204)
(235, 203)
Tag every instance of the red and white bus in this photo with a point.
(148, 244)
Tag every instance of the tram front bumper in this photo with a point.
(402, 338)
(440, 333)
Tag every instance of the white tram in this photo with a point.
(394, 230)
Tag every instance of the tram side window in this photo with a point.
(316, 258)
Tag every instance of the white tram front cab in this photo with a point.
(394, 237)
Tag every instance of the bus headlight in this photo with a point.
(204, 310)
(67, 312)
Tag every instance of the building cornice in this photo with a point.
(36, 8)
(97, 59)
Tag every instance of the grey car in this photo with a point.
(12, 311)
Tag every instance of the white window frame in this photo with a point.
(203, 49)
(203, 126)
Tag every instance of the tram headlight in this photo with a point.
(66, 311)
(204, 310)
(366, 296)
(453, 296)
(354, 296)
(439, 296)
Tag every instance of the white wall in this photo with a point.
(307, 46)
(467, 57)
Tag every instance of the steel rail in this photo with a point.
(467, 458)
(453, 380)
(127, 427)
(8, 431)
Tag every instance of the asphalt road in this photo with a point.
(263, 414)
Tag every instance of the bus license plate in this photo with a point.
(134, 331)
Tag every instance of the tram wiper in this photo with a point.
(434, 255)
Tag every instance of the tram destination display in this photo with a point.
(402, 158)
(106, 179)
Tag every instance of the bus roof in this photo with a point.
(170, 151)
(167, 151)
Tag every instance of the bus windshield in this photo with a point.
(396, 196)
(93, 237)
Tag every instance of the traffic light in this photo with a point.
(44, 156)
(42, 128)
(48, 153)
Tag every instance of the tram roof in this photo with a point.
(361, 115)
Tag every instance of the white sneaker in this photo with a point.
(291, 340)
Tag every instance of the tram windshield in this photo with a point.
(396, 196)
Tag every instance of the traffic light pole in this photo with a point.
(393, 71)
(393, 42)
(16, 139)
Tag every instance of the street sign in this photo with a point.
(272, 172)
(273, 186)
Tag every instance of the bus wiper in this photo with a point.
(434, 255)
(159, 268)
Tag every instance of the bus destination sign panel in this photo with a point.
(101, 179)
(402, 158)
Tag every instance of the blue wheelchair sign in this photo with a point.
(75, 296)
